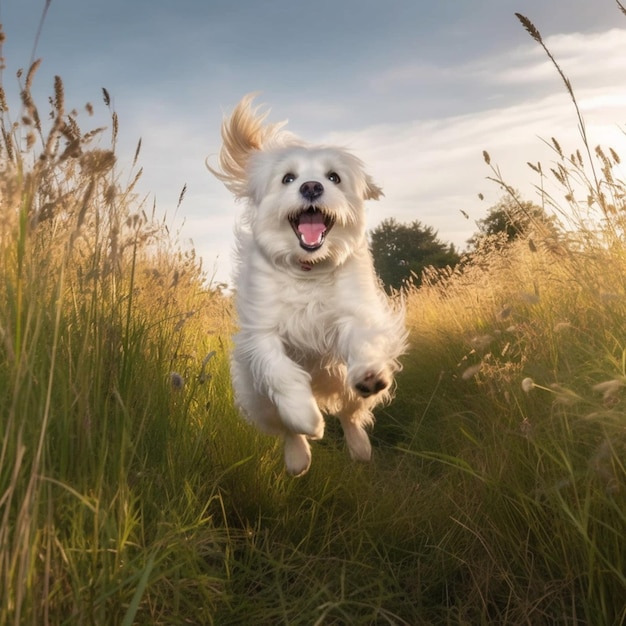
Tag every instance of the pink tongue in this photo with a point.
(311, 228)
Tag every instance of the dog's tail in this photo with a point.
(243, 133)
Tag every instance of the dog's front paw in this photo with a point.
(301, 415)
(372, 383)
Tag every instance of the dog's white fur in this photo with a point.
(317, 333)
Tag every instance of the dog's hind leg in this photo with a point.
(354, 418)
(353, 412)
(297, 454)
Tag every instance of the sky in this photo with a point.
(415, 88)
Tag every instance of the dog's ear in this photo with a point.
(372, 190)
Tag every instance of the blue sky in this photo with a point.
(416, 88)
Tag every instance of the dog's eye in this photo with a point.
(288, 178)
(333, 177)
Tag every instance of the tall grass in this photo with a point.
(527, 361)
(94, 298)
(132, 493)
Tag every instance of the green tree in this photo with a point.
(402, 251)
(514, 217)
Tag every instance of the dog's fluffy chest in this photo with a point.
(307, 315)
(304, 313)
(309, 326)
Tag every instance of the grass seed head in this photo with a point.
(471, 371)
(609, 388)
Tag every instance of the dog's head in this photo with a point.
(305, 203)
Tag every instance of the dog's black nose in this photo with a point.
(311, 190)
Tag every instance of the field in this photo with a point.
(132, 493)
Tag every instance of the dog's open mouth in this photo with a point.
(311, 227)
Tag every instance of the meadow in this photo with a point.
(131, 492)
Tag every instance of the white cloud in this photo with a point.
(583, 57)
(431, 169)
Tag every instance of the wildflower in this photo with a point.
(528, 384)
(177, 381)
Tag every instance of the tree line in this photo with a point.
(402, 251)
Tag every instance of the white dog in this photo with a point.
(317, 333)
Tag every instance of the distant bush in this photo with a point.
(403, 251)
